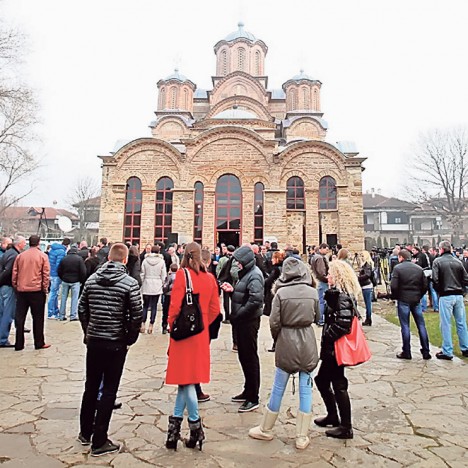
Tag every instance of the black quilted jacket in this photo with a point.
(339, 313)
(110, 308)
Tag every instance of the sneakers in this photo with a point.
(404, 356)
(248, 406)
(238, 398)
(108, 447)
(441, 355)
(203, 397)
(83, 440)
(465, 353)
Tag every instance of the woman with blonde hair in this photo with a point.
(189, 359)
(366, 280)
(340, 309)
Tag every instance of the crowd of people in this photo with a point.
(115, 290)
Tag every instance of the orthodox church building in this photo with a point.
(236, 163)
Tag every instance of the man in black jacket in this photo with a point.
(110, 312)
(72, 272)
(408, 285)
(246, 310)
(450, 279)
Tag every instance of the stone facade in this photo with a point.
(255, 135)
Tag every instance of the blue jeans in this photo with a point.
(435, 297)
(322, 287)
(449, 305)
(75, 292)
(187, 397)
(279, 386)
(52, 306)
(7, 312)
(404, 311)
(367, 294)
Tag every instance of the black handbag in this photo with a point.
(189, 322)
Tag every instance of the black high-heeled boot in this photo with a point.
(196, 434)
(173, 432)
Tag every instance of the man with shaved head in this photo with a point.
(7, 293)
(4, 243)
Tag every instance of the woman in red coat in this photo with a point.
(189, 359)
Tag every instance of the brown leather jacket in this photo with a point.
(31, 271)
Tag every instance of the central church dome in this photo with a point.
(241, 32)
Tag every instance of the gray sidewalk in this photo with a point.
(405, 413)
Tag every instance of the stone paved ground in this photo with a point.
(406, 413)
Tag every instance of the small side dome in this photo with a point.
(177, 76)
(235, 113)
(241, 32)
(301, 76)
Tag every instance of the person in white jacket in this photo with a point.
(153, 274)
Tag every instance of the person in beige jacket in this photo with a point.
(153, 273)
(30, 279)
(294, 310)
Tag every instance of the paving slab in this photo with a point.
(405, 413)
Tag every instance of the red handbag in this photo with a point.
(352, 349)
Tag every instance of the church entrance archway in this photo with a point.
(228, 211)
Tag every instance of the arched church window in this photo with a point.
(295, 199)
(224, 67)
(293, 98)
(305, 98)
(163, 209)
(258, 212)
(132, 214)
(162, 98)
(258, 63)
(186, 99)
(198, 213)
(228, 204)
(327, 193)
(241, 58)
(173, 97)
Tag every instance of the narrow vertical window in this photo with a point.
(327, 193)
(305, 98)
(295, 199)
(162, 98)
(224, 67)
(198, 213)
(293, 99)
(258, 67)
(163, 209)
(258, 213)
(315, 102)
(132, 214)
(186, 99)
(241, 58)
(173, 97)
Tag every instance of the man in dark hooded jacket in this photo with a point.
(110, 313)
(246, 310)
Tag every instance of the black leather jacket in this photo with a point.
(110, 308)
(408, 283)
(247, 297)
(6, 266)
(448, 275)
(339, 314)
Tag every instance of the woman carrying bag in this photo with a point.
(189, 358)
(294, 308)
(340, 310)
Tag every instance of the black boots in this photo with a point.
(340, 432)
(196, 434)
(367, 322)
(173, 432)
(327, 420)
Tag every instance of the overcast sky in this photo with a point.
(390, 70)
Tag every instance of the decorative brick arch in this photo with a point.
(229, 132)
(171, 118)
(220, 172)
(315, 146)
(242, 78)
(249, 103)
(287, 174)
(147, 144)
